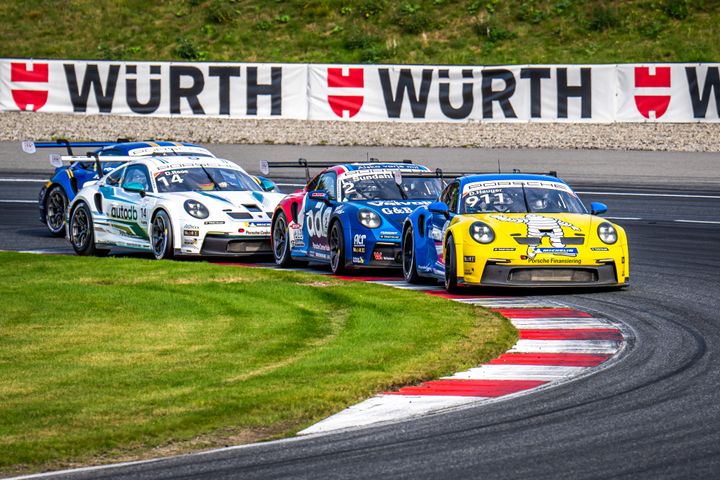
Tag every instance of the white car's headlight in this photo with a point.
(482, 232)
(196, 209)
(368, 218)
(607, 233)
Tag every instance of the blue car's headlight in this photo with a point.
(368, 218)
(482, 232)
(607, 233)
(196, 209)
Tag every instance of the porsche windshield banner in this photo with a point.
(516, 93)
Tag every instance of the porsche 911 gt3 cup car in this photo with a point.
(67, 180)
(513, 230)
(350, 215)
(173, 206)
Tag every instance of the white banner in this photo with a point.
(517, 93)
(546, 93)
(668, 93)
(154, 88)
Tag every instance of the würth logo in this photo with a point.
(650, 83)
(345, 106)
(29, 73)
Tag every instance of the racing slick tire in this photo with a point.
(82, 233)
(281, 241)
(161, 236)
(336, 240)
(451, 284)
(56, 203)
(409, 261)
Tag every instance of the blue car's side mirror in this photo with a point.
(320, 196)
(440, 208)
(598, 208)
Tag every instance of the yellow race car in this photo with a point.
(513, 230)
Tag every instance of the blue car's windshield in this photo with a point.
(380, 185)
(514, 196)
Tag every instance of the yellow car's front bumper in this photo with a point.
(483, 265)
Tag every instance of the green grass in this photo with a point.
(367, 31)
(116, 358)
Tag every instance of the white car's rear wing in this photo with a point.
(58, 160)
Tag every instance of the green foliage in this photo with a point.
(492, 32)
(677, 9)
(282, 19)
(359, 40)
(530, 12)
(603, 17)
(412, 19)
(406, 31)
(188, 50)
(371, 8)
(264, 25)
(220, 12)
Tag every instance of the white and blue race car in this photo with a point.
(179, 205)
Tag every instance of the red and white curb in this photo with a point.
(556, 343)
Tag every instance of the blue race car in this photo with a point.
(351, 215)
(67, 180)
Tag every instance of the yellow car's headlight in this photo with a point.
(607, 233)
(482, 232)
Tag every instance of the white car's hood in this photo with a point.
(244, 201)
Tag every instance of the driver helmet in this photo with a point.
(503, 203)
(540, 202)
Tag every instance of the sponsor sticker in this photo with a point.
(557, 251)
(296, 238)
(124, 213)
(359, 240)
(389, 236)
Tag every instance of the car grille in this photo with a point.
(537, 240)
(553, 275)
(245, 246)
(240, 215)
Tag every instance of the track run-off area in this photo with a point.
(652, 411)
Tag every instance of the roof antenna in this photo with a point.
(498, 164)
(367, 156)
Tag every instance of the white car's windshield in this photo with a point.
(380, 185)
(190, 179)
(514, 196)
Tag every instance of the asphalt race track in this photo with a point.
(655, 413)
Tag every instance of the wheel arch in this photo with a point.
(453, 234)
(347, 235)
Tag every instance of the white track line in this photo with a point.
(564, 324)
(698, 221)
(383, 408)
(18, 201)
(518, 372)
(565, 346)
(668, 195)
(23, 180)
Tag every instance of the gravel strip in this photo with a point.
(678, 137)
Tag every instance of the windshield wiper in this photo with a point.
(217, 187)
(527, 207)
(402, 192)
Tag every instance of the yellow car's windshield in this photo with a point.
(515, 196)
